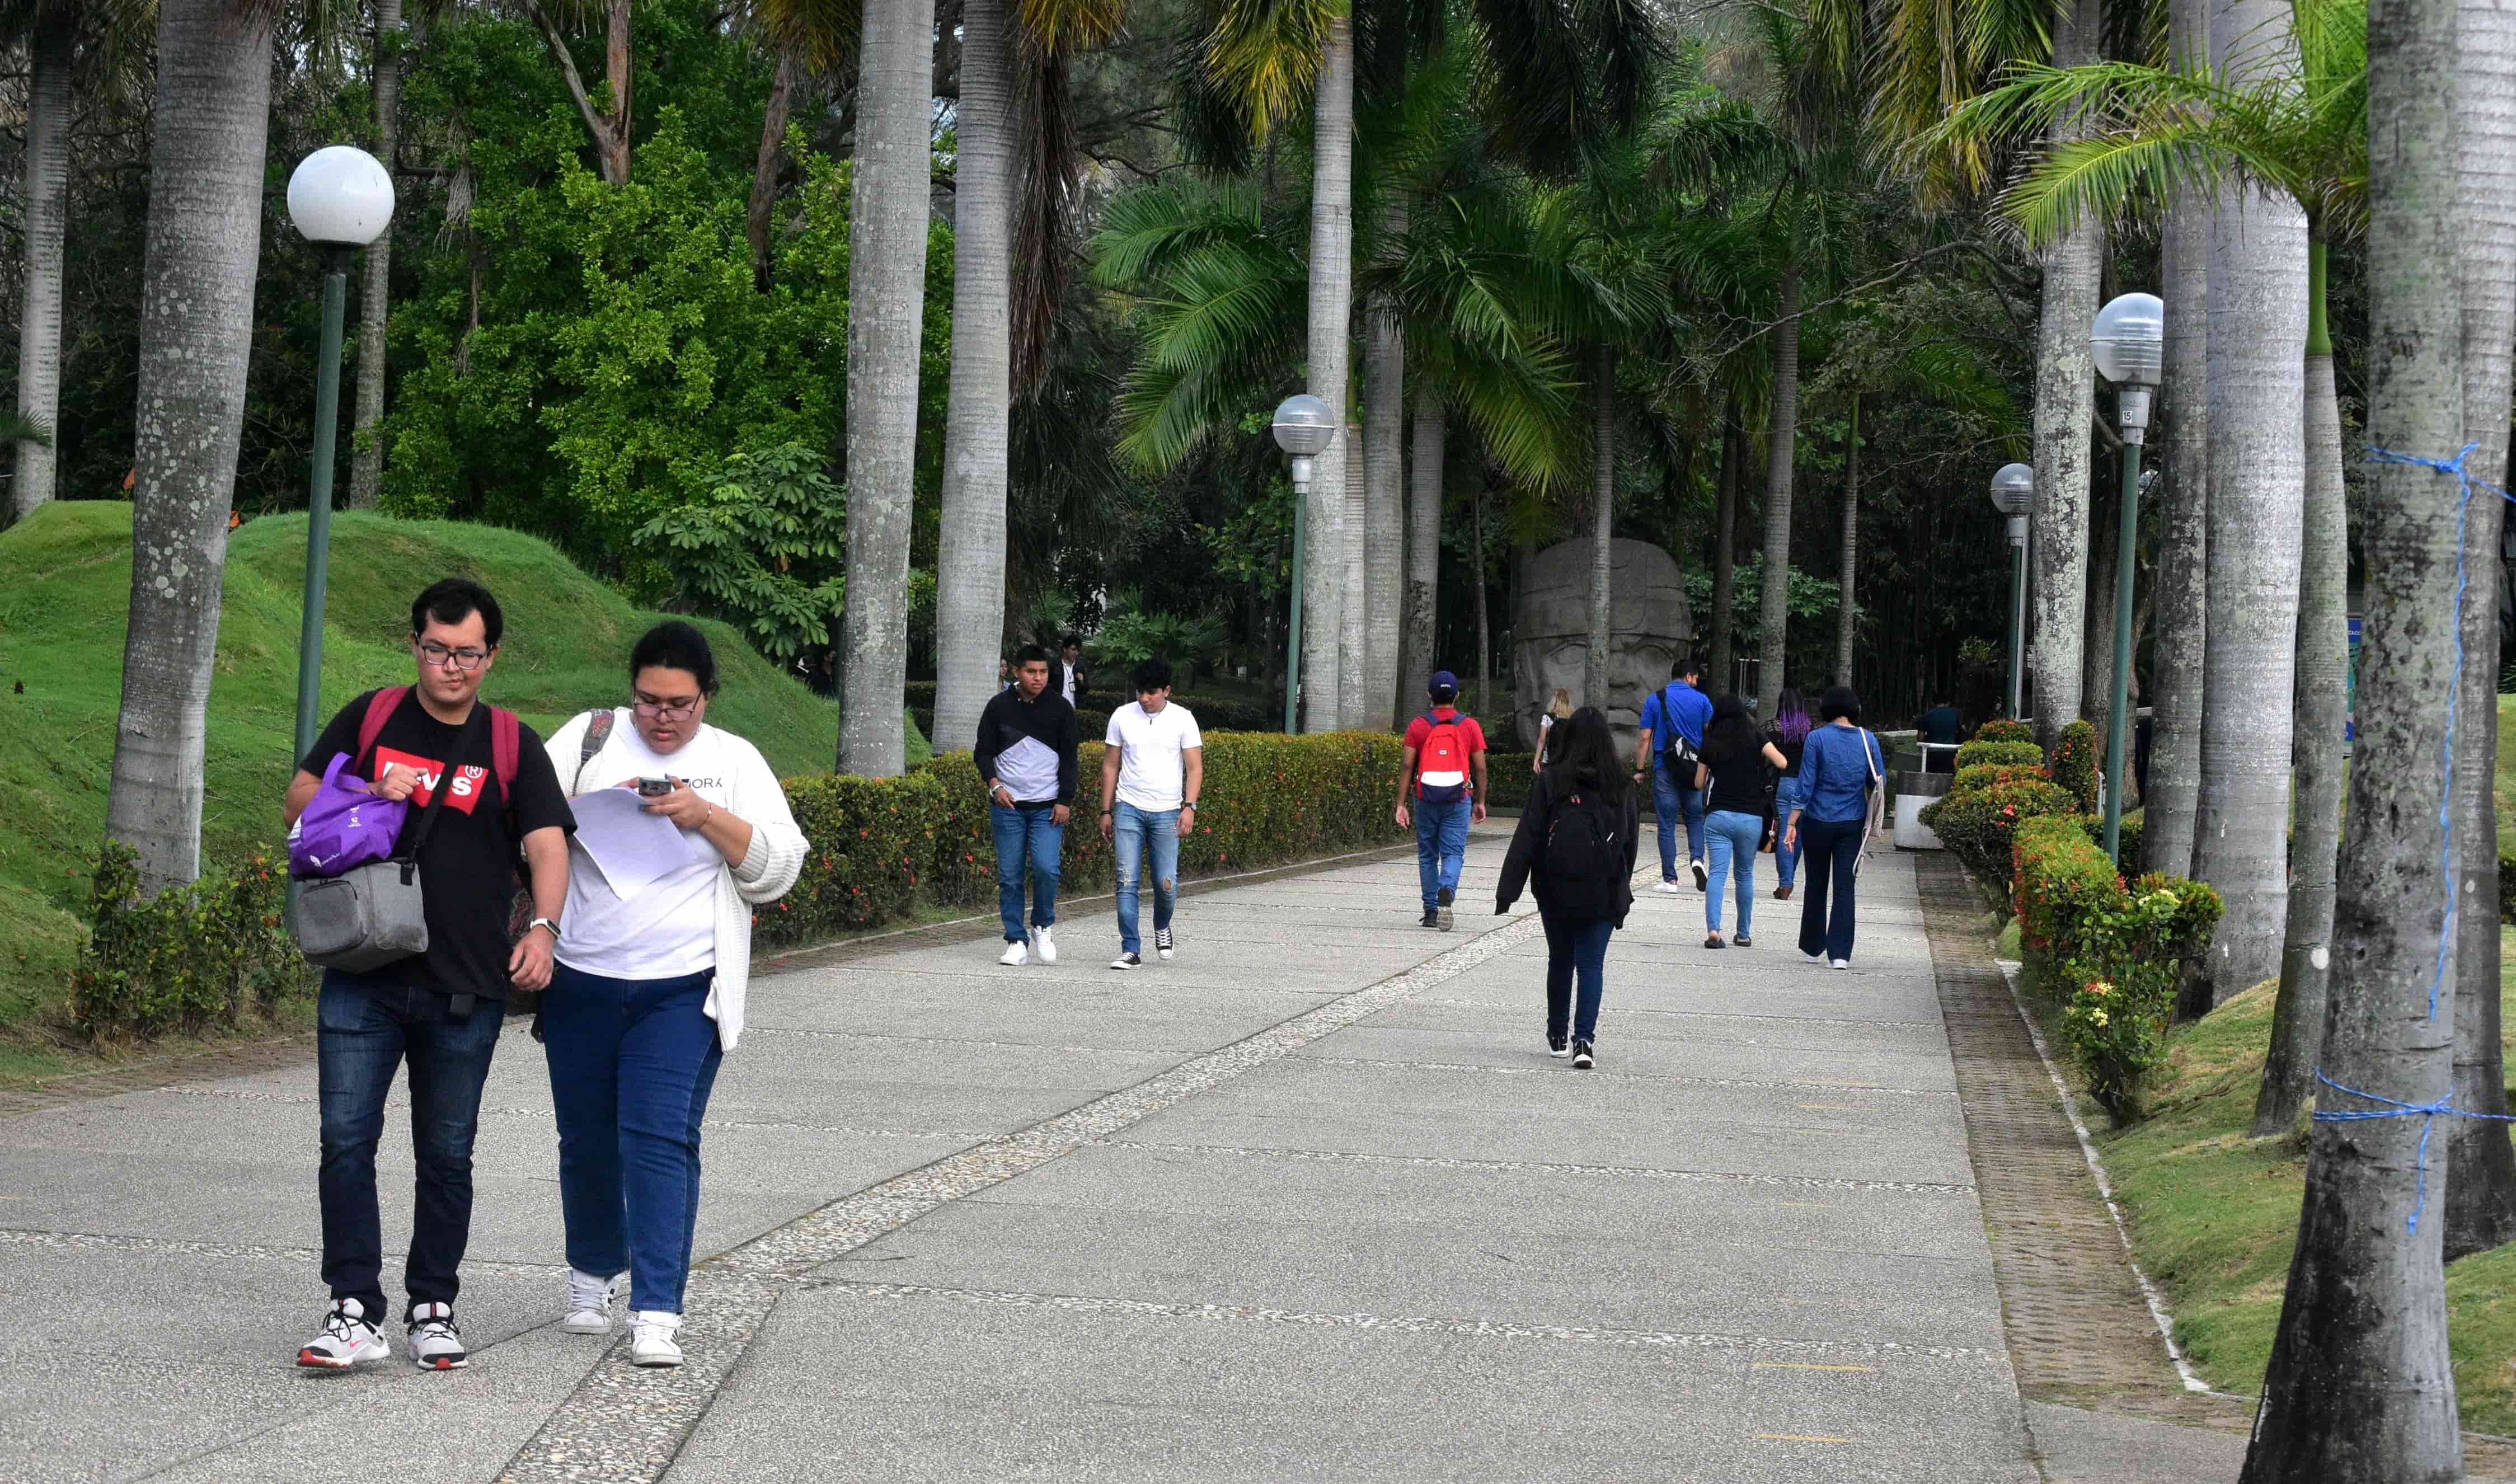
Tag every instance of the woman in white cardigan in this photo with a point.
(645, 997)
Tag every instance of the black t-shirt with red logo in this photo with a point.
(467, 865)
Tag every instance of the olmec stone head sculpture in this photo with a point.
(1648, 627)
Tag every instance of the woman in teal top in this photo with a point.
(1841, 763)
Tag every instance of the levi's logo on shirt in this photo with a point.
(466, 790)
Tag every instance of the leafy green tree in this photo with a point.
(758, 545)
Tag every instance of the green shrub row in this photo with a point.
(2004, 731)
(2017, 754)
(2111, 955)
(1978, 824)
(190, 959)
(2074, 763)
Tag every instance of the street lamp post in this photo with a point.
(1304, 427)
(2129, 341)
(2013, 492)
(340, 199)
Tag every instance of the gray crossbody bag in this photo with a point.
(374, 915)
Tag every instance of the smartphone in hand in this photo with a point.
(654, 787)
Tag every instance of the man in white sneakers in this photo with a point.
(1025, 753)
(1151, 775)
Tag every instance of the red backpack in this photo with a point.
(506, 742)
(1441, 767)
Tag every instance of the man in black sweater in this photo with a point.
(1025, 754)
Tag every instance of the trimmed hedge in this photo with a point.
(189, 958)
(1987, 775)
(2113, 955)
(1507, 778)
(2003, 730)
(2015, 754)
(1977, 824)
(2095, 825)
(2074, 763)
(883, 847)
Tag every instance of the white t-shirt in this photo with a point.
(1153, 773)
(669, 929)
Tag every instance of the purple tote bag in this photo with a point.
(345, 826)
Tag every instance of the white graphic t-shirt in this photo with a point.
(1153, 773)
(670, 929)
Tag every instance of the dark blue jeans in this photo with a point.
(365, 1027)
(1575, 947)
(1028, 842)
(1143, 839)
(1441, 846)
(1831, 849)
(1669, 803)
(632, 1062)
(1787, 858)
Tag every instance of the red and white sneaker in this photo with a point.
(434, 1345)
(348, 1337)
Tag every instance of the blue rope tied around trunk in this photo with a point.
(2427, 1112)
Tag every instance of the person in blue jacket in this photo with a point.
(1672, 743)
(1839, 767)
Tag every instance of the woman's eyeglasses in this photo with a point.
(656, 710)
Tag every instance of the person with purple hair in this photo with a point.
(1788, 732)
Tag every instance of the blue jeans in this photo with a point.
(1787, 858)
(1575, 947)
(1668, 803)
(1734, 841)
(632, 1062)
(1029, 838)
(365, 1026)
(1441, 847)
(1833, 847)
(1134, 832)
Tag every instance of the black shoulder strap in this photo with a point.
(408, 854)
(598, 731)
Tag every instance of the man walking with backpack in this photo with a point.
(435, 749)
(1443, 771)
(1672, 743)
(1026, 752)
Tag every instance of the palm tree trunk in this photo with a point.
(2322, 703)
(2481, 1163)
(2257, 413)
(205, 168)
(1774, 590)
(375, 290)
(1424, 544)
(2065, 405)
(1485, 628)
(51, 51)
(2361, 1385)
(1725, 543)
(887, 290)
(1352, 612)
(1384, 493)
(2179, 589)
(1603, 523)
(1332, 307)
(757, 216)
(969, 591)
(1847, 611)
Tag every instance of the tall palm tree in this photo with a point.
(1847, 611)
(1331, 312)
(204, 234)
(375, 292)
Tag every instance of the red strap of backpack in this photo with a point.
(380, 709)
(506, 743)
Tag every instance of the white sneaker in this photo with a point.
(1015, 956)
(1666, 888)
(1128, 961)
(1044, 942)
(1162, 942)
(651, 1338)
(1843, 963)
(433, 1343)
(348, 1339)
(1700, 874)
(589, 1302)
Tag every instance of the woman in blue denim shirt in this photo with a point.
(1838, 768)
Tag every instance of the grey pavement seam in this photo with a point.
(624, 1423)
(401, 1103)
(1932, 1025)
(1403, 1323)
(105, 1241)
(1629, 1076)
(1537, 1167)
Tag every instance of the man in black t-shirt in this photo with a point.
(441, 1010)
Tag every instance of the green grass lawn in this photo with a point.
(62, 621)
(2214, 1217)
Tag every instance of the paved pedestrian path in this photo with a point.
(1310, 1202)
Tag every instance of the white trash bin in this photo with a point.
(1914, 792)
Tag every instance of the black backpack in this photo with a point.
(1583, 855)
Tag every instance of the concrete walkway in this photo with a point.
(1310, 1202)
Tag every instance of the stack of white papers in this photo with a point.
(632, 848)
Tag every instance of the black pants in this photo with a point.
(1829, 850)
(1575, 947)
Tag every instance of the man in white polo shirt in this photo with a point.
(1151, 775)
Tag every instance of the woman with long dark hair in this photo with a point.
(1840, 770)
(1733, 771)
(1575, 849)
(1788, 732)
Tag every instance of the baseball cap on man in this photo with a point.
(1445, 684)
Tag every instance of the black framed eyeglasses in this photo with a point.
(465, 661)
(656, 710)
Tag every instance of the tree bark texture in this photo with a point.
(2323, 704)
(970, 562)
(758, 215)
(596, 127)
(1424, 545)
(375, 288)
(51, 49)
(616, 64)
(1353, 612)
(205, 168)
(1384, 493)
(1774, 587)
(1331, 306)
(2257, 413)
(1724, 547)
(1485, 629)
(1603, 523)
(2481, 1193)
(1847, 616)
(887, 290)
(2361, 1387)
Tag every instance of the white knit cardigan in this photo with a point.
(768, 870)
